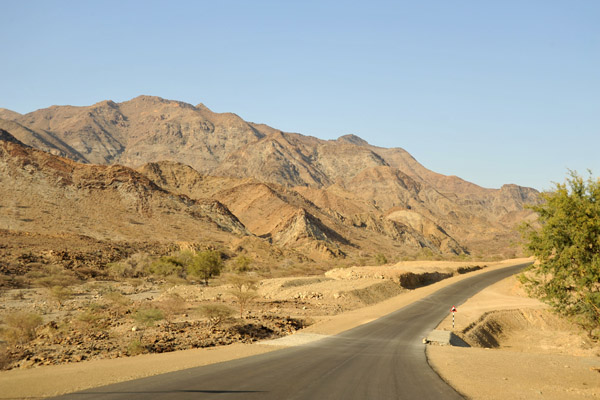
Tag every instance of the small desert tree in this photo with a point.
(205, 265)
(566, 242)
(244, 289)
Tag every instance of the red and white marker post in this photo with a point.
(453, 310)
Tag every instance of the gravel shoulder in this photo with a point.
(53, 380)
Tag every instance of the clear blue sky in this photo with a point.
(492, 91)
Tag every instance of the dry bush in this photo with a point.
(174, 280)
(135, 282)
(135, 347)
(10, 281)
(148, 316)
(18, 295)
(60, 294)
(52, 275)
(120, 269)
(215, 313)
(5, 358)
(20, 327)
(241, 282)
(131, 267)
(172, 305)
(117, 302)
(240, 264)
(243, 299)
(93, 318)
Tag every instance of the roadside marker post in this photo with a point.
(453, 310)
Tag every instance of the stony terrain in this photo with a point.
(99, 319)
(538, 355)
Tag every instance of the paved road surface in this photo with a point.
(384, 359)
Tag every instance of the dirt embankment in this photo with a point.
(520, 349)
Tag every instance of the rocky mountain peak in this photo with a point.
(353, 139)
(8, 114)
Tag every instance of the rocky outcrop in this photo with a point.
(7, 137)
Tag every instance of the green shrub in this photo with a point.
(93, 318)
(148, 317)
(135, 347)
(380, 259)
(166, 266)
(241, 264)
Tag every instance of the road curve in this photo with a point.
(384, 359)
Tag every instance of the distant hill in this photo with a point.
(324, 198)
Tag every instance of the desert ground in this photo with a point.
(553, 358)
(520, 350)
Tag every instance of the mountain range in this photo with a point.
(156, 169)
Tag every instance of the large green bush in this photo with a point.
(566, 242)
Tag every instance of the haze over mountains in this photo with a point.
(156, 169)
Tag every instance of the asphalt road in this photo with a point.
(384, 359)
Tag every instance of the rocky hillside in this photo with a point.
(41, 192)
(327, 197)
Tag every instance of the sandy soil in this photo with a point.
(539, 355)
(52, 380)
